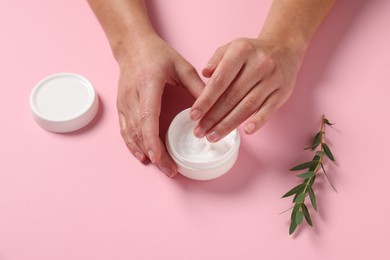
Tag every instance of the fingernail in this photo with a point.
(199, 132)
(167, 171)
(138, 155)
(195, 114)
(213, 136)
(250, 128)
(151, 156)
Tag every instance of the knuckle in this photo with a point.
(223, 128)
(124, 97)
(239, 42)
(249, 106)
(259, 119)
(243, 47)
(190, 70)
(219, 81)
(274, 105)
(148, 140)
(135, 134)
(219, 50)
(131, 147)
(232, 98)
(266, 60)
(129, 134)
(206, 102)
(145, 115)
(152, 72)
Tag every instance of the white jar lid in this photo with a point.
(64, 102)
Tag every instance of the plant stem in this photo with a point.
(322, 131)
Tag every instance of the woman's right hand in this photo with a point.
(146, 65)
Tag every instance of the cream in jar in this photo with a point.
(197, 158)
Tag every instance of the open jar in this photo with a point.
(197, 158)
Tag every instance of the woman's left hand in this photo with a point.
(249, 78)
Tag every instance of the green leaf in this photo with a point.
(293, 223)
(293, 226)
(295, 197)
(316, 157)
(300, 198)
(320, 153)
(306, 175)
(299, 217)
(311, 181)
(316, 140)
(326, 121)
(307, 215)
(314, 167)
(327, 177)
(294, 211)
(312, 198)
(327, 151)
(294, 190)
(304, 165)
(308, 179)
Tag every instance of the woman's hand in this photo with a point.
(249, 78)
(147, 65)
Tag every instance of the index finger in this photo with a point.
(225, 73)
(149, 113)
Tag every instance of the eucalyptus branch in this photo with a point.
(300, 210)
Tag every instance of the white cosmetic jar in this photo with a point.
(196, 158)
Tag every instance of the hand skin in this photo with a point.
(146, 64)
(250, 79)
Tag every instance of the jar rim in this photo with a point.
(214, 163)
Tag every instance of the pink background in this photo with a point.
(83, 196)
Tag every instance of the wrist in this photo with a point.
(126, 45)
(293, 44)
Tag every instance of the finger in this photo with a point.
(166, 164)
(249, 76)
(212, 64)
(132, 108)
(190, 79)
(270, 106)
(150, 107)
(130, 138)
(137, 136)
(247, 107)
(223, 76)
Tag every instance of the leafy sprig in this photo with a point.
(312, 168)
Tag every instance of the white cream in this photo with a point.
(194, 149)
(198, 158)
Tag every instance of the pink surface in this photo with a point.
(83, 196)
